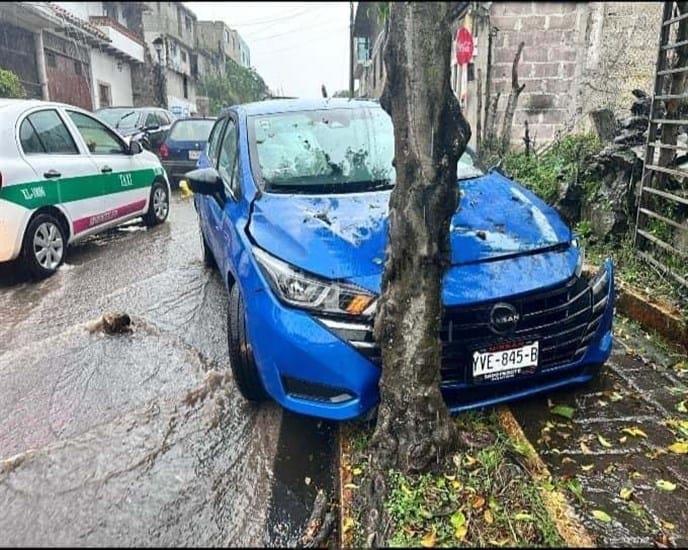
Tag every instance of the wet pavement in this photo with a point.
(613, 455)
(141, 438)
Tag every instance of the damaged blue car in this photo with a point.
(292, 200)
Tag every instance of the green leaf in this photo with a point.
(523, 516)
(599, 515)
(563, 410)
(457, 519)
(626, 492)
(665, 485)
(681, 407)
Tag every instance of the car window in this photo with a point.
(99, 140)
(228, 154)
(214, 140)
(128, 120)
(191, 130)
(164, 118)
(152, 119)
(50, 135)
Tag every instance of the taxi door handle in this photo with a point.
(106, 169)
(51, 174)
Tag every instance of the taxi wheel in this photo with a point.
(159, 205)
(44, 246)
(240, 354)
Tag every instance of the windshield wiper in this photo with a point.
(123, 117)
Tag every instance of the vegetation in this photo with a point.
(238, 85)
(10, 85)
(563, 162)
(478, 497)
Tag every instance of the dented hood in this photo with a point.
(344, 236)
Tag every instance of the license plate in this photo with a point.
(194, 155)
(505, 363)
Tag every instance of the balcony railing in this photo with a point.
(123, 41)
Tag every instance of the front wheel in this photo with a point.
(240, 354)
(158, 206)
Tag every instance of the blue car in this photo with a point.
(182, 148)
(292, 200)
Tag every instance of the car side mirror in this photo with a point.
(135, 147)
(151, 127)
(205, 181)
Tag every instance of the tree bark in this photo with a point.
(516, 90)
(605, 124)
(414, 428)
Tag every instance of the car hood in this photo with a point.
(344, 236)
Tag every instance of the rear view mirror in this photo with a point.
(205, 181)
(152, 127)
(135, 147)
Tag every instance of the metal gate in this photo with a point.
(661, 232)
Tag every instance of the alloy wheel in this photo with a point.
(48, 246)
(160, 203)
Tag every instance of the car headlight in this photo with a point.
(575, 243)
(309, 292)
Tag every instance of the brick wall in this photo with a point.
(550, 32)
(578, 56)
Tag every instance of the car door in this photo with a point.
(157, 132)
(204, 203)
(65, 174)
(219, 211)
(126, 186)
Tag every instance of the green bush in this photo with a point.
(564, 161)
(238, 85)
(10, 85)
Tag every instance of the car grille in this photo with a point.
(562, 319)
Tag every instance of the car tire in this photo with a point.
(44, 246)
(240, 354)
(158, 205)
(208, 258)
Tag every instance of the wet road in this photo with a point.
(141, 438)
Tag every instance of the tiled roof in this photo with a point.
(78, 22)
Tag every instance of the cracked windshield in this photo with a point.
(344, 274)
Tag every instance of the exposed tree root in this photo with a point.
(320, 523)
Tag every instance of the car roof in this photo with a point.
(273, 106)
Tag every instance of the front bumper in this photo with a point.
(314, 369)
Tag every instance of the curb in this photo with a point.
(565, 519)
(650, 313)
(343, 478)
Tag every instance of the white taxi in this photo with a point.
(65, 175)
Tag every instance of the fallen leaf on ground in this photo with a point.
(488, 517)
(681, 407)
(563, 410)
(347, 524)
(460, 532)
(587, 467)
(623, 439)
(625, 493)
(603, 441)
(308, 480)
(478, 502)
(351, 486)
(586, 450)
(429, 540)
(665, 485)
(680, 447)
(457, 519)
(523, 516)
(634, 431)
(357, 471)
(615, 396)
(667, 525)
(602, 516)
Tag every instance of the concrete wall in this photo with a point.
(105, 70)
(164, 17)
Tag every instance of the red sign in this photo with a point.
(464, 46)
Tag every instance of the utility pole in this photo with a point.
(351, 50)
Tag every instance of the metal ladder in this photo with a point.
(650, 246)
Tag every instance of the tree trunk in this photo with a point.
(512, 102)
(605, 124)
(677, 87)
(414, 428)
(479, 109)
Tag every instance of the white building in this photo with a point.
(111, 62)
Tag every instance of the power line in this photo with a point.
(296, 31)
(275, 24)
